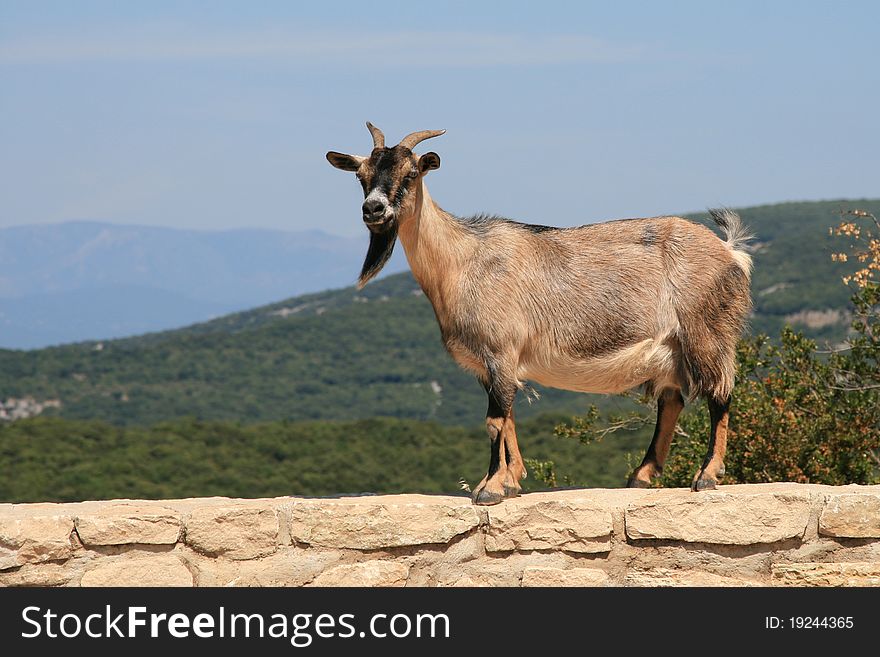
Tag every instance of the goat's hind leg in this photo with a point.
(669, 406)
(505, 462)
(712, 470)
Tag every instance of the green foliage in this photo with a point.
(53, 459)
(542, 471)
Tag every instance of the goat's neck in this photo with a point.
(434, 246)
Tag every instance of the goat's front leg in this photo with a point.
(506, 466)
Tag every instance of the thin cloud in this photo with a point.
(391, 50)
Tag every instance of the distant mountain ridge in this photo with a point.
(82, 280)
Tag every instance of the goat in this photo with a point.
(600, 308)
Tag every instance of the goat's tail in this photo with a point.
(737, 235)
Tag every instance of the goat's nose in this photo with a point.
(373, 209)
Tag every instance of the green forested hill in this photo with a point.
(52, 459)
(345, 354)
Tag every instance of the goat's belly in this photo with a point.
(614, 372)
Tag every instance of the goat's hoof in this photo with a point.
(511, 491)
(643, 475)
(704, 483)
(486, 497)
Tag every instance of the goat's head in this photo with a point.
(390, 179)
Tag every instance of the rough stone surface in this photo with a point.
(570, 524)
(158, 570)
(726, 516)
(289, 566)
(480, 575)
(235, 532)
(8, 558)
(370, 523)
(38, 574)
(669, 577)
(124, 524)
(560, 577)
(826, 574)
(34, 538)
(367, 573)
(851, 515)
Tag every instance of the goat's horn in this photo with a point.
(414, 138)
(378, 137)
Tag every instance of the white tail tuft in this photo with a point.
(737, 235)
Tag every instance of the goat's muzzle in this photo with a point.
(376, 213)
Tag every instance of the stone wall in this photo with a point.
(749, 535)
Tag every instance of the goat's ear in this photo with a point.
(345, 162)
(429, 162)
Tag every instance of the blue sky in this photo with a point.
(218, 114)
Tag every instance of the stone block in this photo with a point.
(851, 515)
(670, 577)
(565, 577)
(727, 518)
(127, 524)
(826, 574)
(387, 522)
(367, 573)
(568, 524)
(153, 570)
(234, 532)
(34, 538)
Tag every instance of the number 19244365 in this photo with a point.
(809, 622)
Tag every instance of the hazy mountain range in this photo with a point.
(82, 280)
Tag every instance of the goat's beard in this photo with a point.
(378, 253)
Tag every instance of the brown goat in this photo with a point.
(600, 308)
